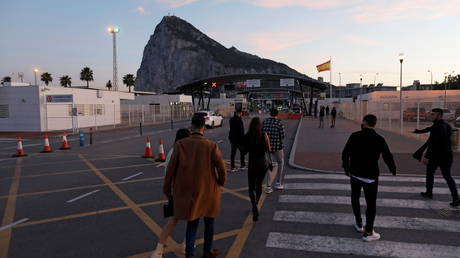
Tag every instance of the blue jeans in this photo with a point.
(190, 236)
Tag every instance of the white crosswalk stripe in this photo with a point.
(346, 187)
(344, 177)
(381, 202)
(335, 243)
(341, 245)
(338, 218)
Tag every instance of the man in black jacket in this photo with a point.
(438, 154)
(360, 162)
(236, 136)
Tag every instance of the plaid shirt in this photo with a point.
(275, 131)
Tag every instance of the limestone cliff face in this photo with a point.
(178, 53)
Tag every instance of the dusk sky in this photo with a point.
(362, 36)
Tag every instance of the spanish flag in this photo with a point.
(324, 66)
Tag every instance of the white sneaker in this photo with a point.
(279, 186)
(183, 247)
(158, 252)
(358, 228)
(268, 190)
(369, 238)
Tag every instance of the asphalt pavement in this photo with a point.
(104, 200)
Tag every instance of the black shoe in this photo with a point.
(255, 215)
(455, 203)
(427, 195)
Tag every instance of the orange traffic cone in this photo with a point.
(65, 143)
(148, 149)
(46, 146)
(20, 151)
(161, 152)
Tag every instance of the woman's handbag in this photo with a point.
(168, 208)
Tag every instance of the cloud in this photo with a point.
(394, 10)
(361, 40)
(313, 4)
(177, 3)
(140, 10)
(275, 41)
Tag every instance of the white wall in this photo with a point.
(24, 109)
(30, 112)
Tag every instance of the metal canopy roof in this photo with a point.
(220, 79)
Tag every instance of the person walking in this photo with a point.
(360, 162)
(257, 144)
(321, 117)
(438, 154)
(327, 110)
(333, 117)
(274, 128)
(236, 136)
(197, 171)
(159, 250)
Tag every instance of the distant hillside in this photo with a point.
(178, 53)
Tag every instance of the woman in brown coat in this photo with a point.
(195, 174)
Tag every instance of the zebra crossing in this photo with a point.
(415, 227)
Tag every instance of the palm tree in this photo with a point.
(128, 80)
(66, 81)
(109, 85)
(46, 78)
(6, 79)
(86, 74)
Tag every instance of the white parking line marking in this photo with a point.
(14, 224)
(82, 196)
(338, 218)
(161, 164)
(341, 245)
(220, 141)
(132, 176)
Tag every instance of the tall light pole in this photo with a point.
(340, 79)
(401, 59)
(114, 31)
(431, 73)
(375, 77)
(360, 85)
(35, 74)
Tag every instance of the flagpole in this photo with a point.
(330, 78)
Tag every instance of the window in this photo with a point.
(4, 111)
(100, 109)
(80, 109)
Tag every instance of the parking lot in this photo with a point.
(104, 200)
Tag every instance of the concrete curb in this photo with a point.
(293, 151)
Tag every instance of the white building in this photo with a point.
(41, 108)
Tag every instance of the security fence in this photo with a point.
(415, 114)
(108, 116)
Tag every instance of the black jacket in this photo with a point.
(236, 130)
(438, 145)
(362, 152)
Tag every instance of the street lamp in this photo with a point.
(35, 74)
(114, 31)
(375, 78)
(340, 79)
(360, 85)
(401, 59)
(431, 73)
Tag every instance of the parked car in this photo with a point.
(211, 118)
(457, 122)
(296, 110)
(448, 115)
(410, 114)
